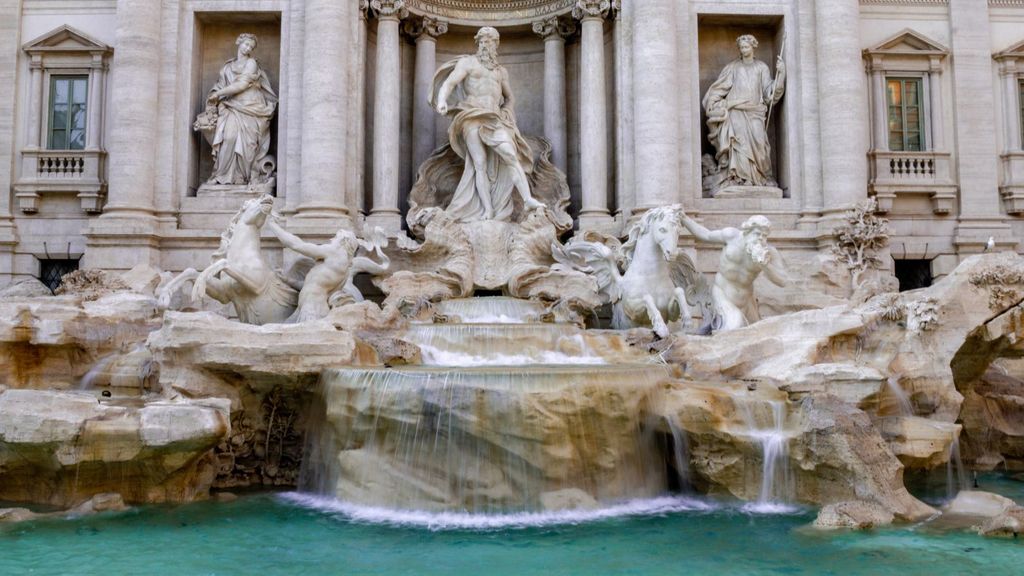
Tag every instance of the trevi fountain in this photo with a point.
(492, 372)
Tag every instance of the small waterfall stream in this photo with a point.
(956, 474)
(902, 399)
(776, 490)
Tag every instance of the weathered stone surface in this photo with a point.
(1009, 523)
(839, 455)
(189, 342)
(143, 279)
(993, 418)
(27, 288)
(919, 442)
(52, 342)
(856, 514)
(90, 284)
(105, 502)
(62, 447)
(979, 504)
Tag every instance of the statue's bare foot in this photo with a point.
(533, 204)
(488, 214)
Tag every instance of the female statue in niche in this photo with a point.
(236, 121)
(737, 107)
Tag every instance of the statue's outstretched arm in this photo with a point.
(295, 243)
(703, 234)
(776, 270)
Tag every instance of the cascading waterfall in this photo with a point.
(956, 474)
(776, 491)
(486, 440)
(902, 399)
(681, 455)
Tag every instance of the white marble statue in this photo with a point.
(238, 273)
(659, 282)
(737, 107)
(236, 121)
(746, 254)
(329, 282)
(475, 89)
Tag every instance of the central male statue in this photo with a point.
(484, 133)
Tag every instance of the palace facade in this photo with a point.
(918, 103)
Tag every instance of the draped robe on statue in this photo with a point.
(242, 138)
(496, 127)
(743, 91)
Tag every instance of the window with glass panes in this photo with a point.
(1020, 101)
(67, 112)
(906, 114)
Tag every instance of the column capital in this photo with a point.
(389, 9)
(554, 28)
(592, 9)
(425, 28)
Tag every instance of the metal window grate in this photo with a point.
(52, 271)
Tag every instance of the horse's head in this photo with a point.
(659, 225)
(255, 210)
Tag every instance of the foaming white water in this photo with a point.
(467, 521)
(434, 356)
(769, 508)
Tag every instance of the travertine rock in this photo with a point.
(856, 514)
(53, 342)
(919, 442)
(1009, 523)
(993, 419)
(978, 503)
(26, 288)
(62, 447)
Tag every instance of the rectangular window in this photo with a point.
(52, 271)
(67, 112)
(1020, 101)
(906, 114)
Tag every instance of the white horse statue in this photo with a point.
(238, 274)
(657, 282)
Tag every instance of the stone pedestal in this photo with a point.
(749, 192)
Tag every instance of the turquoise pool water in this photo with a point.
(269, 534)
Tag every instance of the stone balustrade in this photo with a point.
(899, 173)
(61, 171)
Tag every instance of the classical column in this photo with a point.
(554, 32)
(880, 130)
(977, 156)
(425, 31)
(324, 106)
(593, 116)
(134, 110)
(935, 101)
(386, 107)
(1008, 75)
(94, 126)
(10, 43)
(357, 112)
(842, 98)
(656, 89)
(34, 127)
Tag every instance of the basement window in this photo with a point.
(52, 271)
(914, 274)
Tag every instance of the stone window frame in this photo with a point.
(909, 54)
(64, 51)
(924, 114)
(1010, 66)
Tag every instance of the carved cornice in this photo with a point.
(425, 27)
(585, 9)
(904, 2)
(554, 28)
(388, 9)
(490, 11)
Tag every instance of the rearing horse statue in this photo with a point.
(238, 274)
(657, 282)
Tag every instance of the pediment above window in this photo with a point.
(1014, 52)
(64, 40)
(908, 43)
